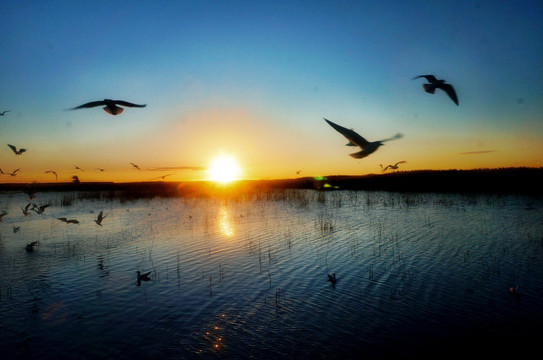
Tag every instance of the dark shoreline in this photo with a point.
(519, 180)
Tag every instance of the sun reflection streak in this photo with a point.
(225, 222)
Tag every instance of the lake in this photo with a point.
(418, 274)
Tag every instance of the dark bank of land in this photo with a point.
(503, 180)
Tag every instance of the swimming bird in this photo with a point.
(100, 218)
(39, 209)
(30, 246)
(16, 229)
(143, 277)
(332, 278)
(394, 167)
(4, 213)
(4, 112)
(438, 84)
(52, 172)
(110, 105)
(356, 140)
(17, 152)
(136, 166)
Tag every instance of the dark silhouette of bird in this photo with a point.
(4, 112)
(68, 221)
(39, 209)
(332, 279)
(30, 246)
(75, 179)
(100, 218)
(52, 172)
(4, 213)
(356, 140)
(26, 210)
(110, 106)
(100, 169)
(16, 229)
(143, 277)
(78, 168)
(31, 191)
(17, 152)
(394, 167)
(438, 84)
(13, 173)
(136, 166)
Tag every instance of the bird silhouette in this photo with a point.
(78, 168)
(13, 173)
(75, 179)
(394, 167)
(438, 84)
(4, 213)
(31, 191)
(136, 166)
(110, 106)
(4, 112)
(52, 172)
(68, 221)
(30, 246)
(17, 152)
(356, 140)
(39, 209)
(26, 210)
(100, 218)
(332, 279)
(16, 229)
(143, 277)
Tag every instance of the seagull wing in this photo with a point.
(126, 103)
(13, 148)
(430, 78)
(89, 105)
(450, 91)
(397, 136)
(351, 135)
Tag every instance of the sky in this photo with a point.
(253, 80)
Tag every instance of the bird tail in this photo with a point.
(429, 88)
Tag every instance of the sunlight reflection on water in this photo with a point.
(239, 278)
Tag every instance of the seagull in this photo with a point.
(13, 173)
(100, 169)
(4, 213)
(78, 168)
(30, 192)
(394, 167)
(4, 112)
(17, 152)
(136, 166)
(110, 106)
(438, 84)
(30, 246)
(52, 172)
(68, 221)
(143, 277)
(26, 212)
(100, 218)
(39, 209)
(75, 179)
(356, 140)
(16, 229)
(332, 278)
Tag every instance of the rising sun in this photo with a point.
(224, 169)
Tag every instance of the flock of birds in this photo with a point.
(115, 107)
(369, 147)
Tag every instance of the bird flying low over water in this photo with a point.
(356, 140)
(68, 221)
(394, 167)
(4, 112)
(100, 218)
(39, 209)
(17, 152)
(52, 172)
(438, 84)
(110, 105)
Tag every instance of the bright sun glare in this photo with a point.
(224, 169)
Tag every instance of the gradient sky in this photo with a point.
(254, 79)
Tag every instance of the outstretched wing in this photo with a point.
(450, 91)
(430, 78)
(89, 105)
(126, 103)
(13, 148)
(351, 135)
(397, 136)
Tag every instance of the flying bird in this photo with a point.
(68, 221)
(78, 168)
(100, 218)
(356, 140)
(136, 166)
(438, 84)
(4, 112)
(26, 211)
(75, 179)
(110, 106)
(16, 229)
(394, 167)
(143, 277)
(30, 246)
(13, 173)
(52, 172)
(17, 152)
(39, 209)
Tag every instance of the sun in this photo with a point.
(223, 169)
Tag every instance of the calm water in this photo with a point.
(420, 274)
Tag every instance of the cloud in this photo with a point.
(175, 168)
(476, 152)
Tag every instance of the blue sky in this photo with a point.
(254, 79)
